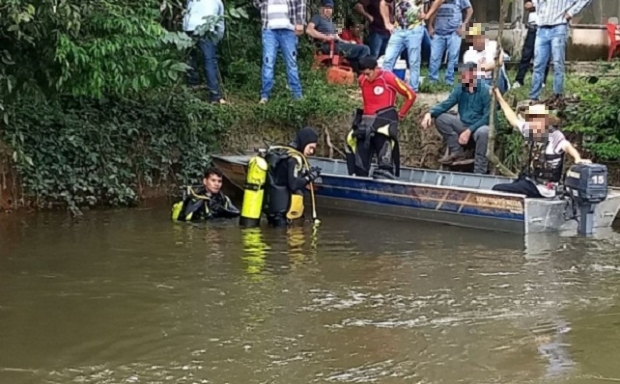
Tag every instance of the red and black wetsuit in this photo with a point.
(376, 128)
(380, 93)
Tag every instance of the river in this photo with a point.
(126, 296)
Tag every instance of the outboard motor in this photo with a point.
(586, 184)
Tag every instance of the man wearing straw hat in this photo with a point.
(546, 148)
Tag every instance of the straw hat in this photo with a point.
(475, 30)
(537, 110)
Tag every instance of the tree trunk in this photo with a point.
(492, 133)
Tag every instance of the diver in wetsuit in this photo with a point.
(287, 177)
(375, 127)
(205, 201)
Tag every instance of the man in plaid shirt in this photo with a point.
(551, 37)
(282, 22)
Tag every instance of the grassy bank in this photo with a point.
(77, 151)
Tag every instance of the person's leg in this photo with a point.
(394, 47)
(414, 53)
(481, 137)
(209, 51)
(383, 148)
(385, 39)
(521, 186)
(353, 52)
(288, 43)
(438, 47)
(526, 55)
(559, 35)
(375, 41)
(450, 127)
(193, 79)
(542, 51)
(453, 46)
(270, 50)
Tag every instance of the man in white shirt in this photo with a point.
(204, 21)
(483, 52)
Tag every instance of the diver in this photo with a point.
(375, 127)
(288, 175)
(205, 201)
(547, 146)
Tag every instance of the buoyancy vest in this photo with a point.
(279, 199)
(541, 166)
(198, 204)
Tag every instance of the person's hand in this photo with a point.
(584, 161)
(426, 121)
(497, 92)
(529, 5)
(370, 18)
(460, 29)
(299, 29)
(313, 173)
(431, 31)
(567, 16)
(401, 117)
(390, 27)
(330, 38)
(464, 137)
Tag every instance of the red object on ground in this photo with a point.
(613, 32)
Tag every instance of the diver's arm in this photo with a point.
(295, 183)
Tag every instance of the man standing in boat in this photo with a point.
(375, 127)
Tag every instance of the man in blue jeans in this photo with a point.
(204, 21)
(282, 23)
(551, 38)
(406, 33)
(445, 27)
(379, 36)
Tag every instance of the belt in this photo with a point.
(551, 26)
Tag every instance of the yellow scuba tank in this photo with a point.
(254, 192)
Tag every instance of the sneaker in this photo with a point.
(452, 157)
(263, 100)
(516, 85)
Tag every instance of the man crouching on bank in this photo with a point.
(206, 201)
(473, 97)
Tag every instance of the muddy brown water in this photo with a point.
(126, 296)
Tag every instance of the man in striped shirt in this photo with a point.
(282, 22)
(551, 38)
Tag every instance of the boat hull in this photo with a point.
(436, 196)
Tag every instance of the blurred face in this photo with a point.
(538, 125)
(327, 12)
(370, 74)
(213, 183)
(478, 42)
(310, 149)
(468, 77)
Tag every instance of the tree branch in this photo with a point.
(492, 121)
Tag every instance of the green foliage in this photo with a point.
(596, 119)
(89, 151)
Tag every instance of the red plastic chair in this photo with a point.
(326, 59)
(613, 31)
